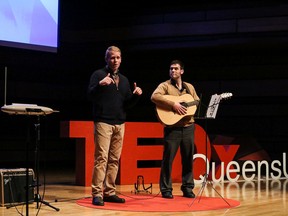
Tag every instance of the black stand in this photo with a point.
(140, 181)
(27, 167)
(37, 197)
(210, 114)
(206, 181)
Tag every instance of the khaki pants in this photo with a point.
(108, 147)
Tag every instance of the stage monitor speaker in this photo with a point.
(13, 186)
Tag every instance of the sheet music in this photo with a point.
(213, 106)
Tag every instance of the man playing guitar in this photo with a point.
(169, 99)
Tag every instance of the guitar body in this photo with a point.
(169, 117)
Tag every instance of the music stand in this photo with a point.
(210, 114)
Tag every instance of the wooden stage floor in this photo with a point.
(265, 197)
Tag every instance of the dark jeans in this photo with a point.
(173, 139)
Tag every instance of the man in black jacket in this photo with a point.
(111, 95)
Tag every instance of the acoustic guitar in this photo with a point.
(170, 117)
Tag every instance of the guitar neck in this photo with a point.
(192, 103)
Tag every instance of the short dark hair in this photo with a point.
(176, 61)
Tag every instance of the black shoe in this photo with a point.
(114, 199)
(167, 195)
(98, 201)
(189, 194)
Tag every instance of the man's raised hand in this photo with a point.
(137, 90)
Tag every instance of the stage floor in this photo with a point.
(264, 197)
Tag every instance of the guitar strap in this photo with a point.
(188, 90)
(186, 87)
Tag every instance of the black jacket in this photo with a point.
(109, 102)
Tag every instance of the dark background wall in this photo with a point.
(227, 46)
